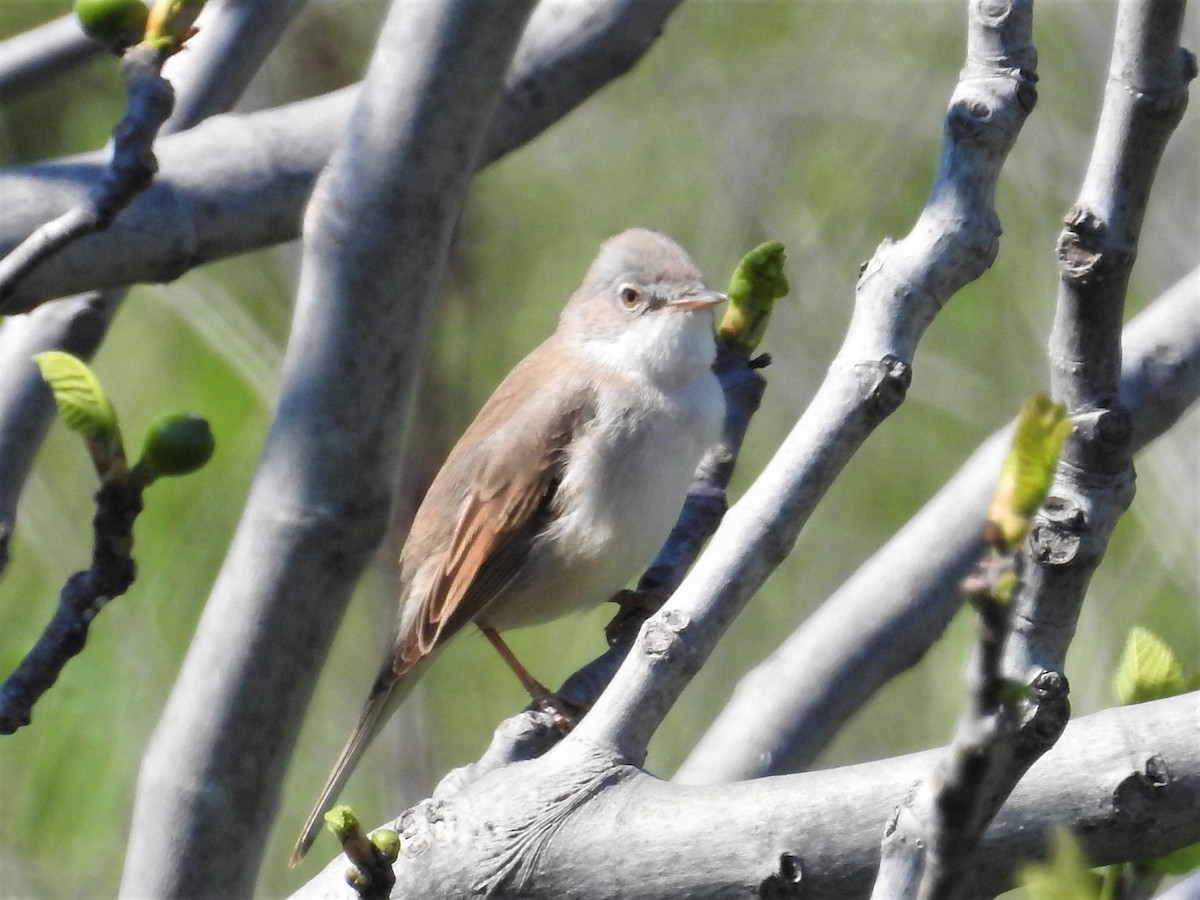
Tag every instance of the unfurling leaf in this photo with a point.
(84, 408)
(757, 282)
(170, 22)
(1027, 471)
(340, 820)
(176, 445)
(1148, 670)
(80, 399)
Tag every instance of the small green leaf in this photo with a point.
(757, 282)
(176, 445)
(117, 24)
(1064, 876)
(1028, 470)
(1148, 670)
(80, 399)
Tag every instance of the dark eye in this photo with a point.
(630, 296)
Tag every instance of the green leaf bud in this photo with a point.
(117, 24)
(176, 445)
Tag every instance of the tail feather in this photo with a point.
(375, 713)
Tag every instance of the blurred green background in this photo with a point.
(816, 123)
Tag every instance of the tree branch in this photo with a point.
(118, 503)
(928, 846)
(899, 293)
(552, 827)
(240, 182)
(233, 41)
(885, 617)
(377, 233)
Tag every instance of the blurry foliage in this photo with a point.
(816, 123)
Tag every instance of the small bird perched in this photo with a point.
(569, 479)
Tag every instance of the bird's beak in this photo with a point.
(698, 300)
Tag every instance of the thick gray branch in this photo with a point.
(900, 291)
(553, 827)
(892, 609)
(377, 232)
(240, 183)
(235, 38)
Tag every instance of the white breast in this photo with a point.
(626, 478)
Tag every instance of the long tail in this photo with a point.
(375, 712)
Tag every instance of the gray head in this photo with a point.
(643, 303)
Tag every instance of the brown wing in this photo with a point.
(501, 478)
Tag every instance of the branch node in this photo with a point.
(1056, 536)
(1137, 795)
(1050, 711)
(885, 382)
(786, 882)
(660, 632)
(968, 119)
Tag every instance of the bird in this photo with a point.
(567, 482)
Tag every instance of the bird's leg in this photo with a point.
(565, 713)
(536, 689)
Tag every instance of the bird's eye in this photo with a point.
(630, 296)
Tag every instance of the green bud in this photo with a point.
(387, 842)
(117, 24)
(176, 445)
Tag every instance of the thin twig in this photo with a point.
(899, 293)
(928, 845)
(150, 100)
(118, 503)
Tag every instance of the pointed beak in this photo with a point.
(697, 300)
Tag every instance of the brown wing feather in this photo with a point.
(503, 502)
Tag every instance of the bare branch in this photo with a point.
(234, 40)
(884, 618)
(928, 846)
(900, 291)
(377, 233)
(133, 164)
(239, 183)
(552, 827)
(118, 503)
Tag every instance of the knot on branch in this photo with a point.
(1108, 434)
(884, 383)
(1138, 795)
(785, 883)
(993, 13)
(967, 118)
(1058, 532)
(1086, 255)
(1048, 711)
(661, 633)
